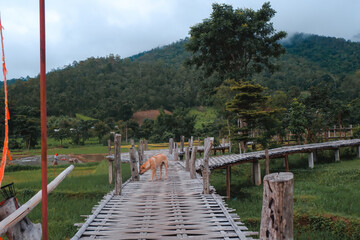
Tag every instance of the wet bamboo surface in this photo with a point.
(164, 209)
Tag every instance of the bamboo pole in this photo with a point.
(267, 162)
(192, 163)
(206, 170)
(134, 165)
(110, 163)
(117, 159)
(187, 159)
(25, 209)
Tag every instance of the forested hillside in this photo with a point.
(112, 88)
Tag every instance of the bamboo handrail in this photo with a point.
(25, 209)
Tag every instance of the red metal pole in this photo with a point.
(43, 123)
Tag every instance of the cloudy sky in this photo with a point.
(78, 29)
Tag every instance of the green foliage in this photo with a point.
(336, 55)
(173, 126)
(356, 132)
(297, 120)
(235, 43)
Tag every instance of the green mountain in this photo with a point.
(111, 87)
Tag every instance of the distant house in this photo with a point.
(140, 116)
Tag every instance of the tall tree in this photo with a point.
(250, 105)
(235, 43)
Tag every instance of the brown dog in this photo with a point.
(154, 162)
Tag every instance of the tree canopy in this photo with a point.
(235, 42)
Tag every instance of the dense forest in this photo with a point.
(320, 72)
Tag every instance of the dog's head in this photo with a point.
(144, 167)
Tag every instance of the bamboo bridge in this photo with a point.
(177, 208)
(165, 209)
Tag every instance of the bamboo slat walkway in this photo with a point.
(226, 160)
(167, 209)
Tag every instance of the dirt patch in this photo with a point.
(90, 157)
(140, 116)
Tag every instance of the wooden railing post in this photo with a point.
(286, 161)
(110, 163)
(182, 139)
(171, 145)
(192, 163)
(267, 162)
(187, 159)
(206, 170)
(133, 165)
(117, 159)
(358, 151)
(176, 153)
(141, 152)
(277, 208)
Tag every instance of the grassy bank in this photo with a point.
(325, 198)
(83, 188)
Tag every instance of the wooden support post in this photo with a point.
(110, 163)
(182, 139)
(228, 182)
(199, 142)
(229, 146)
(257, 173)
(337, 155)
(171, 145)
(132, 142)
(176, 153)
(223, 142)
(191, 141)
(134, 165)
(117, 159)
(187, 159)
(206, 170)
(351, 131)
(286, 160)
(141, 153)
(267, 162)
(358, 151)
(311, 160)
(277, 208)
(192, 163)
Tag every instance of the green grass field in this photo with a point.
(204, 116)
(83, 188)
(326, 202)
